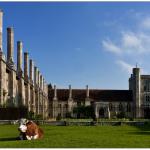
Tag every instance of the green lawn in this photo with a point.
(80, 137)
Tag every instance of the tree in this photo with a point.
(84, 112)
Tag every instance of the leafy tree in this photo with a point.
(121, 115)
(84, 112)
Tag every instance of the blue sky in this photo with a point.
(80, 43)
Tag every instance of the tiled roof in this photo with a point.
(95, 94)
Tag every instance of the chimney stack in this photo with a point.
(26, 64)
(19, 56)
(10, 44)
(35, 75)
(31, 70)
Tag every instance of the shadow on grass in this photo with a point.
(9, 139)
(142, 130)
(140, 133)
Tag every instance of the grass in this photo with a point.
(80, 137)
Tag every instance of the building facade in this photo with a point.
(20, 87)
(132, 103)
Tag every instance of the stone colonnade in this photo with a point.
(17, 87)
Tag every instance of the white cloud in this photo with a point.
(132, 43)
(111, 47)
(145, 23)
(130, 40)
(129, 43)
(125, 66)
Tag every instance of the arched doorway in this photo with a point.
(101, 113)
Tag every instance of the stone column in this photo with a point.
(33, 100)
(39, 101)
(21, 92)
(1, 30)
(10, 44)
(21, 88)
(37, 83)
(19, 56)
(26, 64)
(31, 71)
(12, 75)
(32, 94)
(35, 87)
